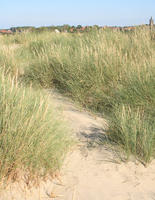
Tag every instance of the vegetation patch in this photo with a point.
(33, 138)
(109, 72)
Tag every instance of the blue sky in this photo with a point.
(74, 12)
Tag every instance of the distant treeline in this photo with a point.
(66, 28)
(63, 28)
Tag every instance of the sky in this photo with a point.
(75, 12)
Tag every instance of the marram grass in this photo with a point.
(107, 72)
(33, 138)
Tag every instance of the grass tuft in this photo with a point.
(33, 138)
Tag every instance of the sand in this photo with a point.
(91, 171)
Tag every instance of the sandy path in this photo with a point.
(95, 173)
(91, 171)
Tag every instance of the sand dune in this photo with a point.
(91, 171)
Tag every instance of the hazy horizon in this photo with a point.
(47, 13)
